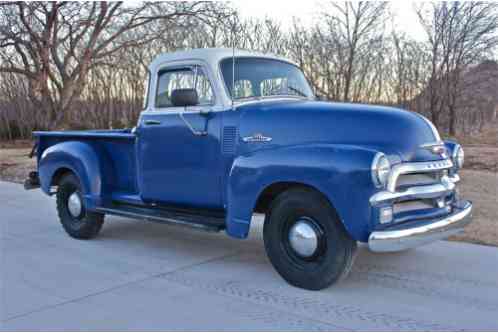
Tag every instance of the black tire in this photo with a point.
(335, 253)
(84, 226)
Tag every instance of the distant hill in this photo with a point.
(477, 102)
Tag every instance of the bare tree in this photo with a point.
(459, 34)
(408, 68)
(354, 27)
(55, 45)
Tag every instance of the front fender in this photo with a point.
(84, 161)
(340, 172)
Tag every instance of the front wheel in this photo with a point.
(305, 240)
(76, 220)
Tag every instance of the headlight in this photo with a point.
(458, 156)
(380, 170)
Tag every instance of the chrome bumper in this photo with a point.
(401, 239)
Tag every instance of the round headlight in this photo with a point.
(458, 157)
(380, 170)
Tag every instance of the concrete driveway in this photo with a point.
(144, 276)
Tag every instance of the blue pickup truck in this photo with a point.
(225, 134)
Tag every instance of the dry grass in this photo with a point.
(481, 187)
(479, 184)
(481, 151)
(16, 144)
(15, 164)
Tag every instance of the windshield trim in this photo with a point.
(251, 98)
(262, 98)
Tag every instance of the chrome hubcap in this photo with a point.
(303, 238)
(74, 205)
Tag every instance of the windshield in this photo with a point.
(261, 77)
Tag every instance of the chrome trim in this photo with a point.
(257, 137)
(404, 168)
(417, 192)
(432, 144)
(374, 168)
(152, 122)
(396, 240)
(437, 148)
(303, 238)
(455, 153)
(454, 178)
(74, 204)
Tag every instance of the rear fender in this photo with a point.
(89, 163)
(340, 172)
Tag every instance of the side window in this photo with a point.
(183, 78)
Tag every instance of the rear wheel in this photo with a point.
(305, 240)
(76, 220)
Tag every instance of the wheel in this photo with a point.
(76, 220)
(305, 240)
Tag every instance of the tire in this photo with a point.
(335, 250)
(86, 224)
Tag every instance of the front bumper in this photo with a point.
(401, 238)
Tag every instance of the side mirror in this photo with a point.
(319, 97)
(184, 97)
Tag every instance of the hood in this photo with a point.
(395, 132)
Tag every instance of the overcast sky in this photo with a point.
(306, 10)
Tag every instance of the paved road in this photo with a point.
(144, 276)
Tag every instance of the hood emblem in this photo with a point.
(258, 137)
(436, 148)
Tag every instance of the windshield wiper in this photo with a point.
(297, 91)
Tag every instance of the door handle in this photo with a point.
(152, 122)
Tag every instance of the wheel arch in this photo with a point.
(272, 191)
(59, 173)
(81, 159)
(340, 173)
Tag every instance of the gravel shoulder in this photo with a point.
(479, 184)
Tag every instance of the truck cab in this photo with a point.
(225, 133)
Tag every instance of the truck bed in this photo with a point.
(115, 147)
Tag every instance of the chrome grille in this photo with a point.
(410, 178)
(418, 179)
(425, 168)
(412, 205)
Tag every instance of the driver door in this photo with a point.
(176, 165)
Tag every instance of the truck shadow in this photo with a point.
(240, 268)
(158, 239)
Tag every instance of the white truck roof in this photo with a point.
(210, 55)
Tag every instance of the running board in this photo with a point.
(206, 223)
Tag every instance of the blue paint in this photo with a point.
(327, 146)
(177, 167)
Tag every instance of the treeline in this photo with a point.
(71, 65)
